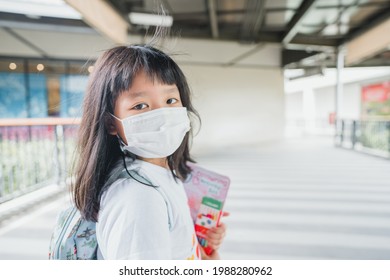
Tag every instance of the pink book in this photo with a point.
(206, 193)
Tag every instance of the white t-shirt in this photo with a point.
(133, 218)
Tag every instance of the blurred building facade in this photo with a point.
(310, 101)
(36, 88)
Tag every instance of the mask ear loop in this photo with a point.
(125, 165)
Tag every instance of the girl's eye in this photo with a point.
(172, 101)
(140, 106)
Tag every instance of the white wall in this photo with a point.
(294, 106)
(325, 101)
(237, 106)
(307, 111)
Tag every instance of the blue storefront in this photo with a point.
(39, 89)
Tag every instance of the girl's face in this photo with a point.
(144, 95)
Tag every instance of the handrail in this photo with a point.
(376, 118)
(35, 152)
(370, 136)
(39, 121)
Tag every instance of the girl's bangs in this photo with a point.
(161, 68)
(133, 60)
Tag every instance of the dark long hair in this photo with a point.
(98, 150)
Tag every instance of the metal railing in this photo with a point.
(34, 153)
(370, 136)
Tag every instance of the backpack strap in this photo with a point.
(125, 174)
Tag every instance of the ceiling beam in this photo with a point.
(213, 19)
(103, 18)
(369, 23)
(373, 4)
(295, 22)
(314, 40)
(369, 39)
(368, 44)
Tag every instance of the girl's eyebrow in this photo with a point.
(142, 93)
(137, 94)
(171, 89)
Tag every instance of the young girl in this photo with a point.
(135, 118)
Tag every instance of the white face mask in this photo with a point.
(157, 133)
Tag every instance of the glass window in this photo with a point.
(13, 95)
(42, 88)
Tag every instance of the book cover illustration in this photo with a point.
(206, 192)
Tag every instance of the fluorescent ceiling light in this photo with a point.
(39, 8)
(150, 19)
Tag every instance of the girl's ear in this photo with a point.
(109, 122)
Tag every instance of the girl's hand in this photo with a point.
(215, 238)
(213, 256)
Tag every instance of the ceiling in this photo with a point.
(308, 31)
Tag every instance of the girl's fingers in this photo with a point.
(219, 229)
(216, 235)
(215, 244)
(225, 214)
(213, 256)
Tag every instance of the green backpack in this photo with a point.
(74, 238)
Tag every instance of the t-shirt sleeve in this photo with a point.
(133, 223)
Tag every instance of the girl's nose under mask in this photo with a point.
(157, 133)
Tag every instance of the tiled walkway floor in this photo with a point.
(305, 199)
